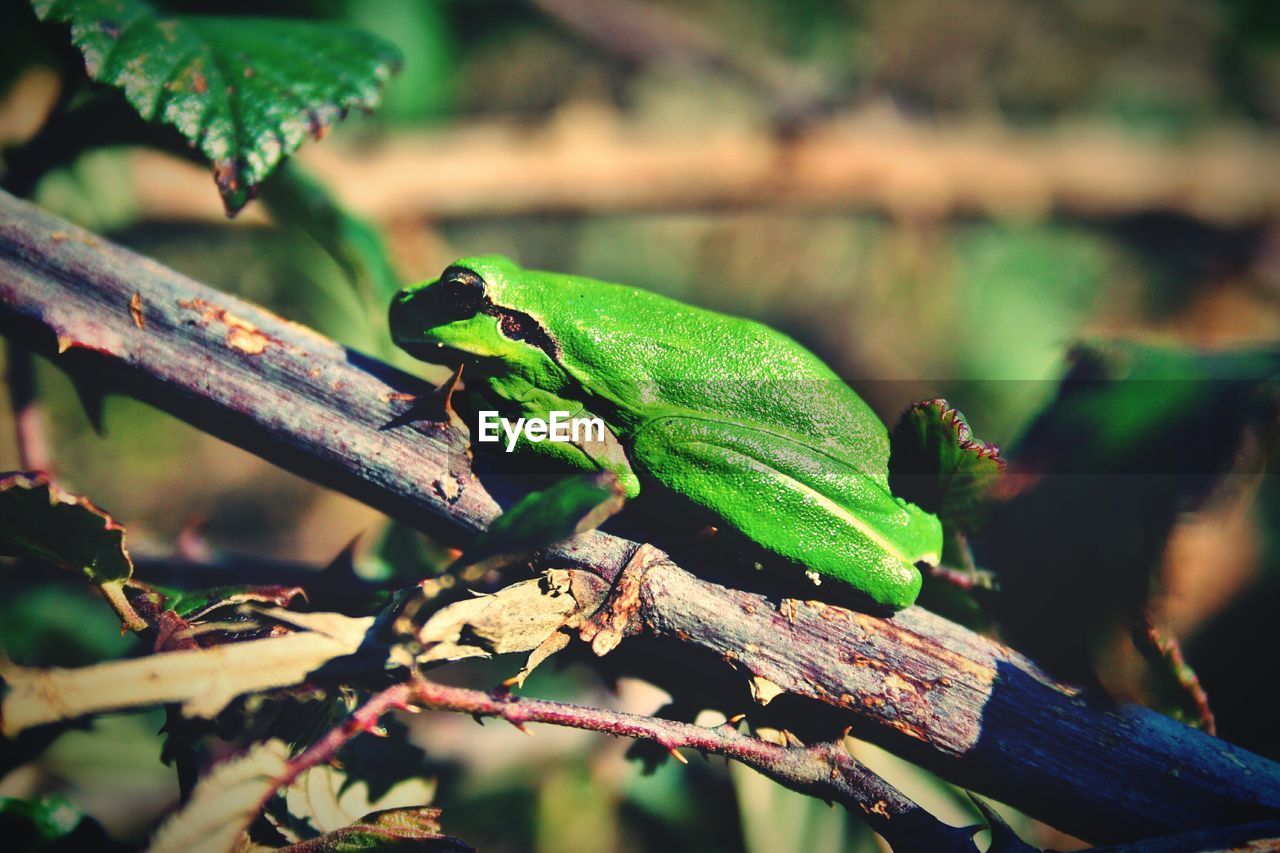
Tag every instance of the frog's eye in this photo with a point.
(464, 292)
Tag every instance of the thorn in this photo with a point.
(377, 731)
(675, 753)
(344, 562)
(519, 726)
(735, 719)
(411, 709)
(792, 740)
(763, 690)
(450, 386)
(844, 734)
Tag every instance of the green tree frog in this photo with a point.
(727, 413)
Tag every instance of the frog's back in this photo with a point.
(634, 345)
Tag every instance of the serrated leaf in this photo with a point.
(327, 799)
(196, 604)
(225, 801)
(572, 506)
(392, 829)
(39, 519)
(517, 618)
(247, 92)
(938, 464)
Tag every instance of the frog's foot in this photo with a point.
(619, 615)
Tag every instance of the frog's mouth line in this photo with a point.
(438, 354)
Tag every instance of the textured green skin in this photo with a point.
(728, 413)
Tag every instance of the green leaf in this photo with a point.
(1137, 436)
(39, 519)
(246, 92)
(28, 823)
(572, 506)
(50, 823)
(301, 200)
(938, 464)
(195, 605)
(354, 245)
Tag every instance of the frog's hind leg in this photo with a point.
(794, 501)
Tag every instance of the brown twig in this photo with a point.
(957, 703)
(589, 159)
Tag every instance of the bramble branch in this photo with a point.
(957, 703)
(823, 770)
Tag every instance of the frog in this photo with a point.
(722, 413)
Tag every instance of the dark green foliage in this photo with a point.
(1136, 436)
(47, 824)
(938, 464)
(573, 505)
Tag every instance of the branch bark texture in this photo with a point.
(957, 703)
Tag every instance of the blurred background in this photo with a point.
(937, 198)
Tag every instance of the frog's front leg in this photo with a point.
(589, 451)
(794, 501)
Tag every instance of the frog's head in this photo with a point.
(472, 313)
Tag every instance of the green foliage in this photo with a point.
(50, 822)
(355, 245)
(573, 505)
(56, 624)
(247, 92)
(1137, 436)
(39, 519)
(196, 604)
(938, 464)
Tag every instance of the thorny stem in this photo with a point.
(824, 770)
(1165, 653)
(364, 719)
